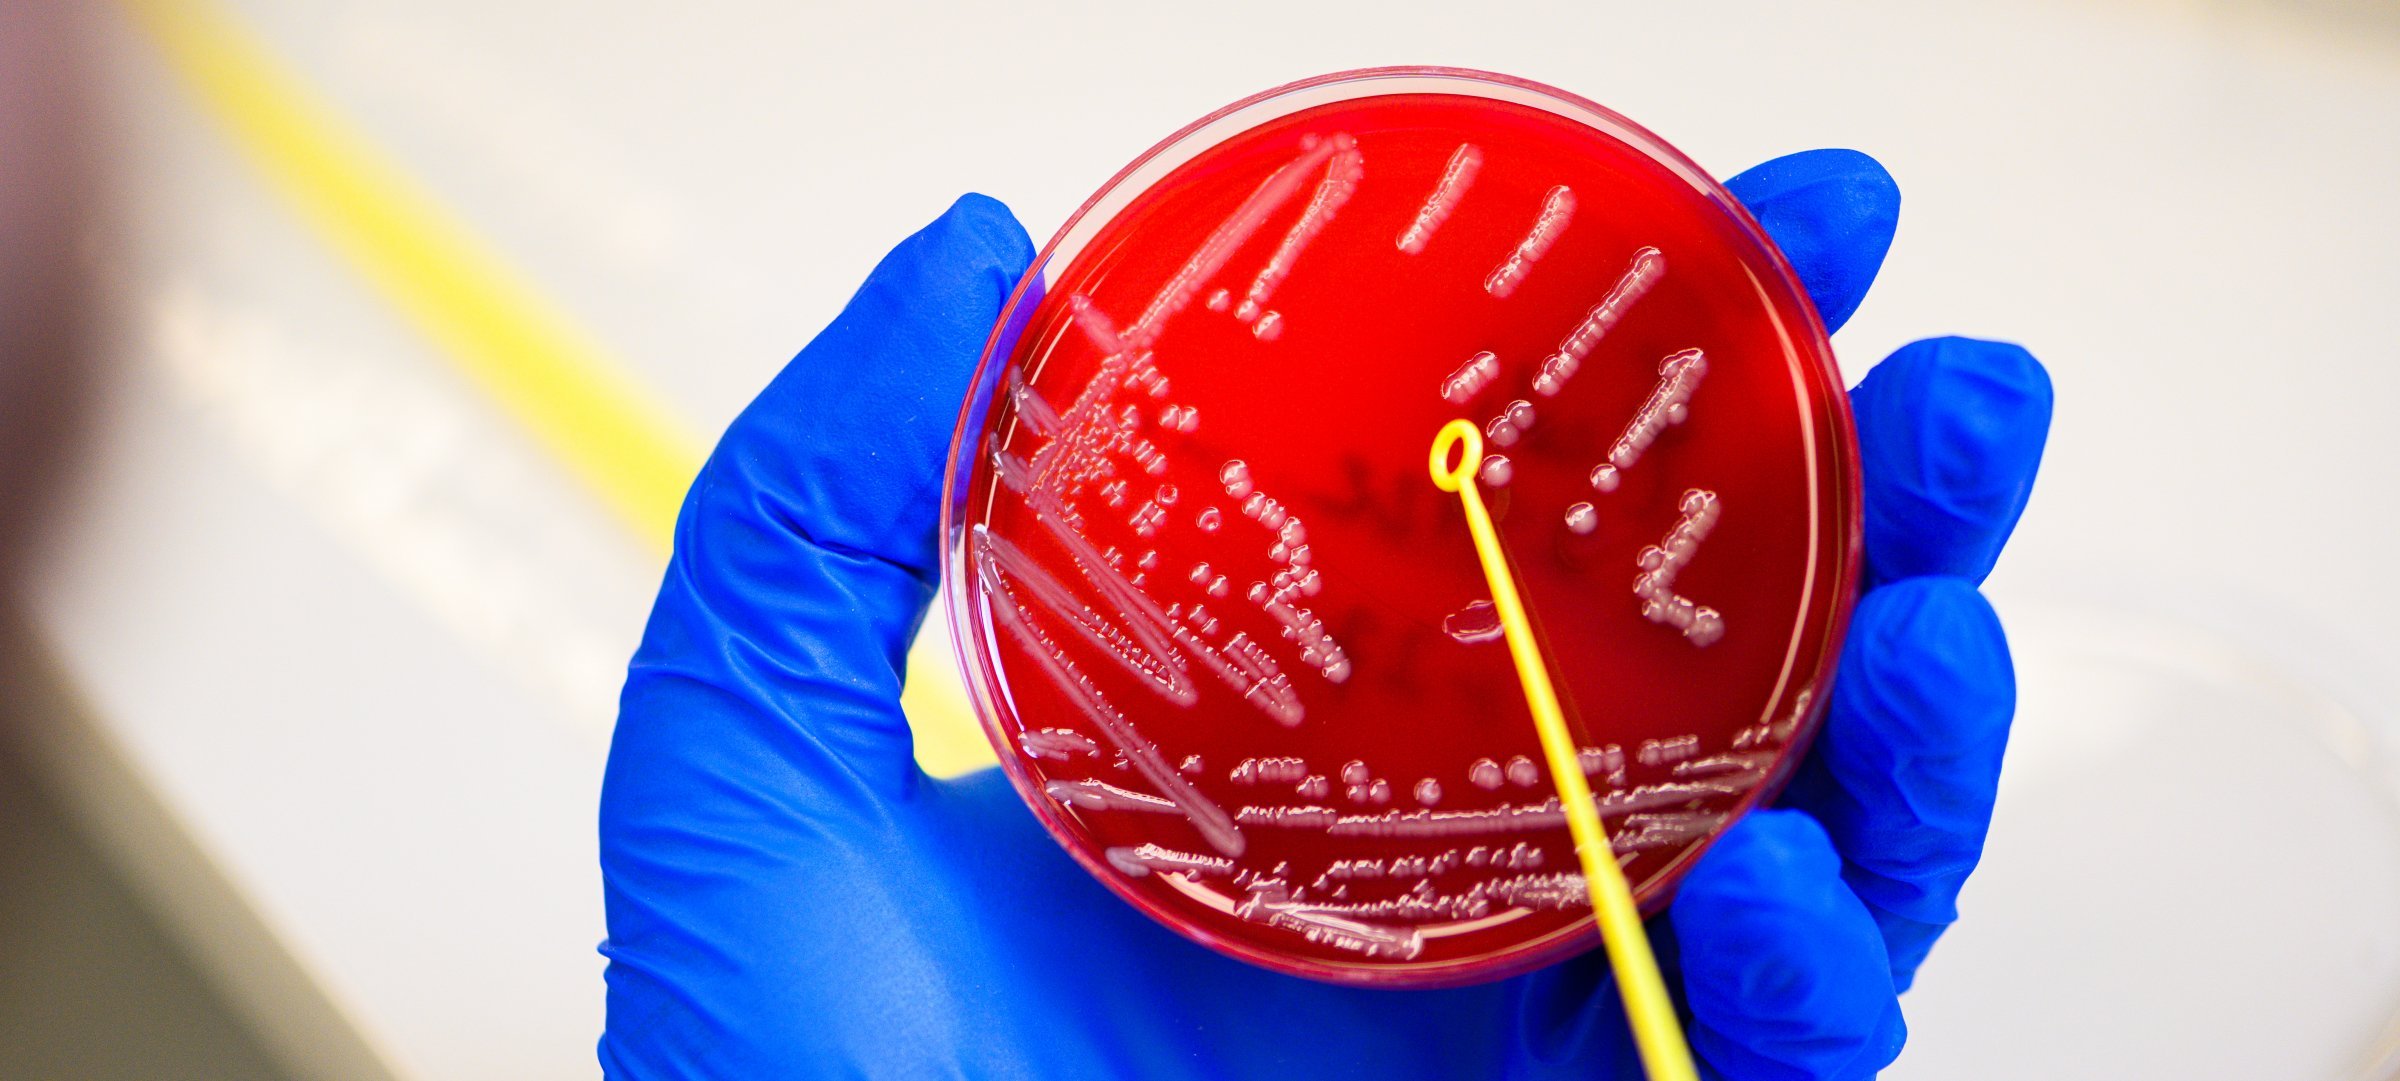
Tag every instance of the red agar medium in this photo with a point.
(1235, 648)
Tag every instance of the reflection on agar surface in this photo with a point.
(1198, 531)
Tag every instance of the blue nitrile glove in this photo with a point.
(788, 895)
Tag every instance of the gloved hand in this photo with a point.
(788, 895)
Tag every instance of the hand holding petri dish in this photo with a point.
(1238, 653)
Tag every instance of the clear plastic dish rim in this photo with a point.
(969, 630)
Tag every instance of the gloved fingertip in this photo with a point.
(1783, 968)
(1778, 843)
(1927, 667)
(1754, 896)
(974, 250)
(846, 445)
(1833, 212)
(1950, 433)
(989, 222)
(1906, 772)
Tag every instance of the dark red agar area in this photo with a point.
(1223, 627)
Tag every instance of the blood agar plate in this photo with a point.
(1235, 648)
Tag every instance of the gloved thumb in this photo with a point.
(805, 553)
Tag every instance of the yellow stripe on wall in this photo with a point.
(548, 374)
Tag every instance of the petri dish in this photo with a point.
(1233, 646)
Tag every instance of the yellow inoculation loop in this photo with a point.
(548, 374)
(1647, 1008)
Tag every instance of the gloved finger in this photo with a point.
(1904, 774)
(1950, 434)
(845, 449)
(805, 553)
(1782, 968)
(1833, 213)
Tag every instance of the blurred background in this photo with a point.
(351, 355)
